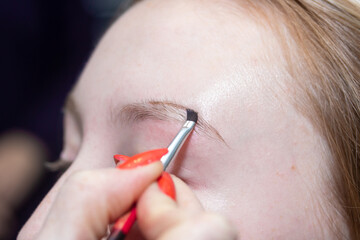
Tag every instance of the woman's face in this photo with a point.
(254, 158)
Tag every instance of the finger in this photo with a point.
(204, 226)
(157, 212)
(185, 197)
(90, 200)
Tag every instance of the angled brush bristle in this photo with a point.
(191, 115)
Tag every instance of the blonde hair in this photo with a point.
(326, 33)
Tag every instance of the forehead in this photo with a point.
(190, 52)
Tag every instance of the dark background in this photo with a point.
(44, 46)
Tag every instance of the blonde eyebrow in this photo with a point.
(165, 111)
(156, 110)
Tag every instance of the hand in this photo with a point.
(89, 201)
(161, 218)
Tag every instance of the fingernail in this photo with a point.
(166, 184)
(143, 159)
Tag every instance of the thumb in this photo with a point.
(160, 217)
(90, 200)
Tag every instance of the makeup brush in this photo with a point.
(124, 224)
(178, 141)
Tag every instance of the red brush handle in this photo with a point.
(123, 225)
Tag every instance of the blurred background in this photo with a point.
(44, 46)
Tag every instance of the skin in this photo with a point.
(267, 178)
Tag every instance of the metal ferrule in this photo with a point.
(177, 143)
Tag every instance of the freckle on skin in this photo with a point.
(293, 167)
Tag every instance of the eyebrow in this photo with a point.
(155, 110)
(164, 111)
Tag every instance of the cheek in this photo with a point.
(251, 190)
